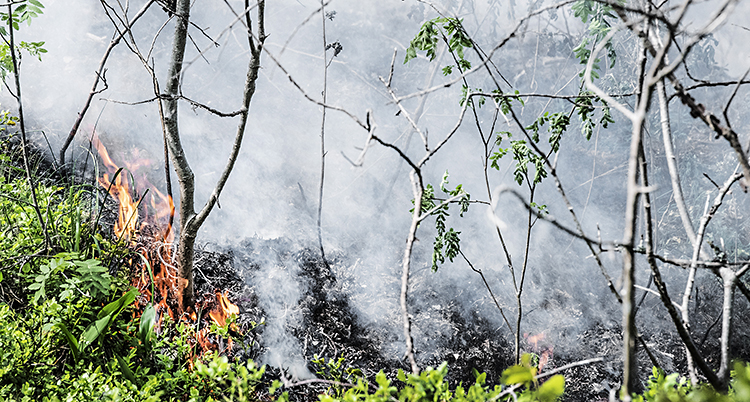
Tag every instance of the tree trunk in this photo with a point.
(190, 221)
(179, 161)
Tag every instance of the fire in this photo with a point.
(539, 346)
(127, 216)
(534, 340)
(138, 223)
(223, 310)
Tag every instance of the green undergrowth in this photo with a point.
(675, 388)
(72, 329)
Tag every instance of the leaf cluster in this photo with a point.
(585, 110)
(447, 243)
(451, 31)
(518, 383)
(674, 388)
(598, 15)
(25, 11)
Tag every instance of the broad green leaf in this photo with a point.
(518, 375)
(72, 342)
(148, 318)
(551, 389)
(116, 306)
(126, 371)
(94, 330)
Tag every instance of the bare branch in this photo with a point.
(99, 75)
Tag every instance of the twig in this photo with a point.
(303, 23)
(489, 289)
(570, 366)
(99, 75)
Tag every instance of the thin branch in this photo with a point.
(674, 173)
(570, 366)
(402, 109)
(301, 24)
(489, 289)
(99, 76)
(308, 97)
(249, 91)
(731, 98)
(22, 126)
(323, 139)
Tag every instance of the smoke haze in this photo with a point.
(273, 191)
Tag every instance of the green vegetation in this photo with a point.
(673, 388)
(70, 328)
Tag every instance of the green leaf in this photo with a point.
(146, 327)
(126, 371)
(116, 306)
(72, 342)
(94, 331)
(551, 389)
(518, 374)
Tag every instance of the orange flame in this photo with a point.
(534, 340)
(155, 213)
(223, 310)
(540, 347)
(127, 216)
(545, 357)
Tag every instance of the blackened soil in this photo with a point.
(329, 327)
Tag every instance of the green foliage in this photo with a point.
(524, 156)
(91, 279)
(504, 102)
(431, 385)
(224, 381)
(451, 31)
(674, 388)
(598, 16)
(558, 123)
(585, 106)
(524, 375)
(335, 371)
(447, 242)
(24, 11)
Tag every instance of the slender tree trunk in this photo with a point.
(185, 174)
(22, 124)
(416, 182)
(190, 221)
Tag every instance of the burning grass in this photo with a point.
(144, 223)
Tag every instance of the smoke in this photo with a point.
(273, 191)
